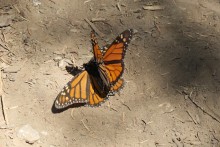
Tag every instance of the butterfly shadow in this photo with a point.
(55, 110)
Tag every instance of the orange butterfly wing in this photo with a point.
(118, 86)
(78, 90)
(113, 58)
(96, 49)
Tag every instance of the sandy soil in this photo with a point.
(172, 92)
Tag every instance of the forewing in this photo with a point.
(96, 49)
(114, 55)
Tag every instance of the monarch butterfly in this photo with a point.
(101, 76)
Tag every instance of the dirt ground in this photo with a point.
(172, 92)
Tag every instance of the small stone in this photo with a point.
(12, 69)
(135, 31)
(3, 65)
(36, 2)
(57, 58)
(31, 82)
(64, 62)
(58, 52)
(61, 64)
(74, 31)
(166, 107)
(11, 77)
(137, 11)
(98, 19)
(5, 21)
(27, 133)
(68, 61)
(44, 133)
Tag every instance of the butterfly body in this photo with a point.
(92, 67)
(101, 85)
(101, 77)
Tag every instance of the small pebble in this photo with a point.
(58, 52)
(12, 69)
(57, 58)
(74, 31)
(64, 62)
(27, 133)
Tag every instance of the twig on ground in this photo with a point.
(178, 144)
(5, 47)
(126, 106)
(145, 124)
(153, 8)
(113, 109)
(3, 43)
(14, 107)
(109, 106)
(5, 61)
(179, 119)
(94, 28)
(98, 19)
(52, 1)
(72, 114)
(118, 6)
(205, 111)
(20, 13)
(3, 36)
(86, 1)
(195, 122)
(6, 127)
(216, 138)
(85, 125)
(157, 27)
(3, 100)
(123, 116)
(143, 141)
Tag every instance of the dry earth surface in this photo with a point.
(172, 92)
